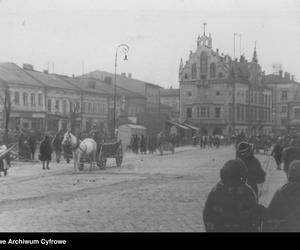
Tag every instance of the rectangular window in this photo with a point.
(57, 105)
(25, 99)
(64, 106)
(284, 95)
(49, 105)
(242, 114)
(284, 109)
(40, 99)
(238, 112)
(217, 112)
(90, 108)
(100, 108)
(217, 92)
(198, 112)
(94, 108)
(297, 113)
(17, 98)
(32, 99)
(204, 112)
(189, 112)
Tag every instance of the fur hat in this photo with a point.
(234, 172)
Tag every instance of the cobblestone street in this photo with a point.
(149, 193)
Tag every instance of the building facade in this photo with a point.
(286, 97)
(223, 96)
(171, 98)
(148, 90)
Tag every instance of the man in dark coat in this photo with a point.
(231, 205)
(276, 153)
(32, 145)
(45, 152)
(283, 213)
(143, 145)
(57, 146)
(256, 175)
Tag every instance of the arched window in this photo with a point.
(203, 63)
(194, 71)
(212, 70)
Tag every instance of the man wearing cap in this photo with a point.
(256, 175)
(231, 205)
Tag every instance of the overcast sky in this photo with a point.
(82, 35)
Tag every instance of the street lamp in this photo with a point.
(124, 48)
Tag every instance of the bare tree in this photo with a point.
(6, 112)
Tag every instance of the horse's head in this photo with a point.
(67, 140)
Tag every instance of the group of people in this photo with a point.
(28, 144)
(208, 140)
(151, 143)
(233, 204)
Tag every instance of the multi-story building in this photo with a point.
(221, 95)
(286, 98)
(45, 102)
(60, 98)
(171, 98)
(94, 111)
(28, 108)
(148, 90)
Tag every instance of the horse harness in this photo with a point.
(77, 146)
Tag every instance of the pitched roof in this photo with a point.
(272, 78)
(169, 92)
(109, 88)
(12, 73)
(51, 80)
(123, 81)
(83, 84)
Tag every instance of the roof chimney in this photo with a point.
(280, 73)
(27, 66)
(46, 71)
(293, 78)
(123, 74)
(129, 75)
(285, 75)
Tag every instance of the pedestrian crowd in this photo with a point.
(233, 203)
(150, 143)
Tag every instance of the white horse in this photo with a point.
(87, 147)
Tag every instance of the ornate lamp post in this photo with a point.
(124, 48)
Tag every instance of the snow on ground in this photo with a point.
(148, 193)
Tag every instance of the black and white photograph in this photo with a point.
(144, 116)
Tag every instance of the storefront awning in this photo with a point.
(191, 127)
(178, 125)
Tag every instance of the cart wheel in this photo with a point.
(81, 166)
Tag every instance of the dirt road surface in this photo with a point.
(149, 193)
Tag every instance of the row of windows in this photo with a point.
(25, 99)
(89, 107)
(259, 98)
(203, 71)
(252, 114)
(203, 112)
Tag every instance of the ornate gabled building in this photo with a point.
(221, 95)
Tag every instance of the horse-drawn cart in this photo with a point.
(104, 151)
(110, 150)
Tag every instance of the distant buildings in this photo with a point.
(221, 95)
(170, 98)
(286, 101)
(50, 102)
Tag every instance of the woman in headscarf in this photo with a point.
(283, 213)
(45, 152)
(232, 205)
